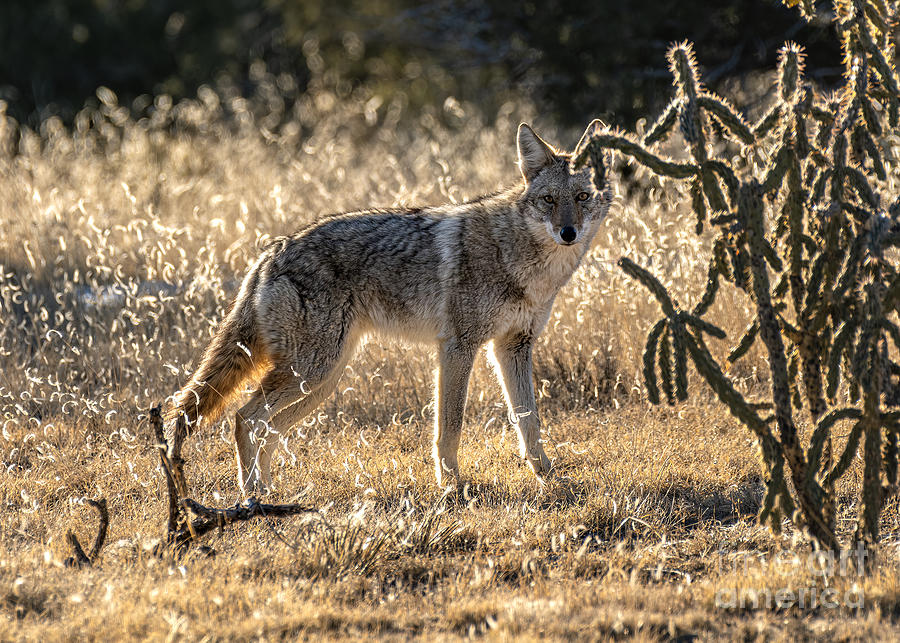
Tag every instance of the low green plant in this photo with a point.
(802, 228)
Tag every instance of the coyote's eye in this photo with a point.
(582, 196)
(547, 198)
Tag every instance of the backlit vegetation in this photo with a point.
(123, 241)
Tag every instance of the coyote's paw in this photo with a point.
(256, 488)
(447, 472)
(539, 463)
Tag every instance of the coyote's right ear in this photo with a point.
(534, 153)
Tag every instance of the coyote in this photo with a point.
(456, 276)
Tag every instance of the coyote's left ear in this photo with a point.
(534, 153)
(595, 126)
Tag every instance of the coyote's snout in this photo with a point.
(455, 276)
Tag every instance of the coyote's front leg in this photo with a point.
(512, 357)
(456, 361)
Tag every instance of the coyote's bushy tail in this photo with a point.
(234, 355)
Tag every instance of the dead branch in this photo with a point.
(180, 530)
(211, 518)
(100, 506)
(80, 559)
(252, 508)
(156, 422)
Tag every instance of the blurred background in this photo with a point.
(576, 60)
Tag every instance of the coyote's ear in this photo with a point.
(595, 126)
(534, 153)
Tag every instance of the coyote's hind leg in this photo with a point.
(286, 395)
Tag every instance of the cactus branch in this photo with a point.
(630, 148)
(651, 283)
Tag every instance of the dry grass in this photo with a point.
(122, 244)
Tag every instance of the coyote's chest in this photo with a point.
(542, 281)
(538, 288)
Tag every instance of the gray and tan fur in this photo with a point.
(455, 276)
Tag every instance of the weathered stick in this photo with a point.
(212, 518)
(251, 508)
(180, 530)
(80, 559)
(156, 422)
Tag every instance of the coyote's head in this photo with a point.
(564, 200)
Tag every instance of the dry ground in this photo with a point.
(122, 243)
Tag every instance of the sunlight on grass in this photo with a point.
(124, 242)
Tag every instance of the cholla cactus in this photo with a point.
(804, 234)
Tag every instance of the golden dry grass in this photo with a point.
(122, 244)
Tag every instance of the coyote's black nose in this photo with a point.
(568, 234)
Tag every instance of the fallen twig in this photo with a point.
(212, 518)
(156, 422)
(252, 508)
(80, 559)
(180, 530)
